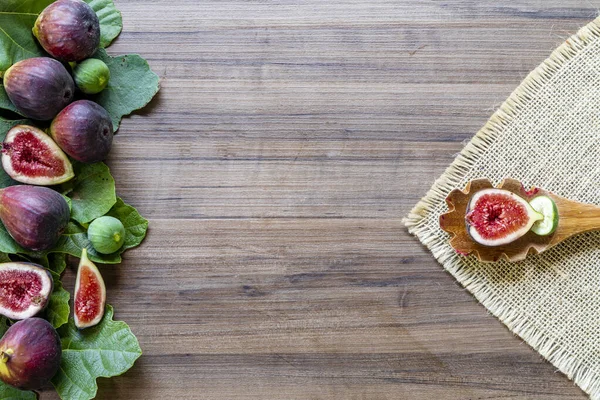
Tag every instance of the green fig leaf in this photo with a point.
(3, 327)
(57, 262)
(92, 192)
(135, 225)
(75, 238)
(8, 245)
(108, 349)
(6, 180)
(57, 311)
(17, 18)
(111, 22)
(131, 86)
(10, 393)
(5, 102)
(6, 124)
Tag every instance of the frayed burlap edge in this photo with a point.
(581, 374)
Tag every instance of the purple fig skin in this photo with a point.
(30, 352)
(68, 30)
(34, 216)
(84, 131)
(39, 87)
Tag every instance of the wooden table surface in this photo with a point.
(286, 144)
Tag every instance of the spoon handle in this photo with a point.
(574, 217)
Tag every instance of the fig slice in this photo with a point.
(496, 217)
(30, 156)
(547, 207)
(30, 352)
(25, 289)
(90, 294)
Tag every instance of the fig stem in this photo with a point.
(5, 355)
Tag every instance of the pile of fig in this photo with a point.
(30, 350)
(70, 128)
(43, 89)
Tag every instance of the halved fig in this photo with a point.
(35, 216)
(496, 217)
(30, 352)
(31, 156)
(25, 289)
(90, 294)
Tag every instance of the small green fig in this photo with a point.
(39, 87)
(84, 131)
(30, 352)
(107, 234)
(91, 76)
(68, 30)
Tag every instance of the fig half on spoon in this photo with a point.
(541, 220)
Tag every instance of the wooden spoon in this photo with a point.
(573, 218)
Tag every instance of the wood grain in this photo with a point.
(286, 144)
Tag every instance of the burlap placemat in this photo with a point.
(546, 134)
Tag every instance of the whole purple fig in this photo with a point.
(34, 216)
(84, 131)
(30, 352)
(39, 87)
(68, 30)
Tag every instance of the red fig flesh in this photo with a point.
(31, 156)
(496, 217)
(34, 216)
(30, 352)
(25, 289)
(90, 294)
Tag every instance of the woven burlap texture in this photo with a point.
(546, 134)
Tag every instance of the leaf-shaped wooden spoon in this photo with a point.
(573, 218)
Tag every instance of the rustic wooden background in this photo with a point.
(288, 141)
